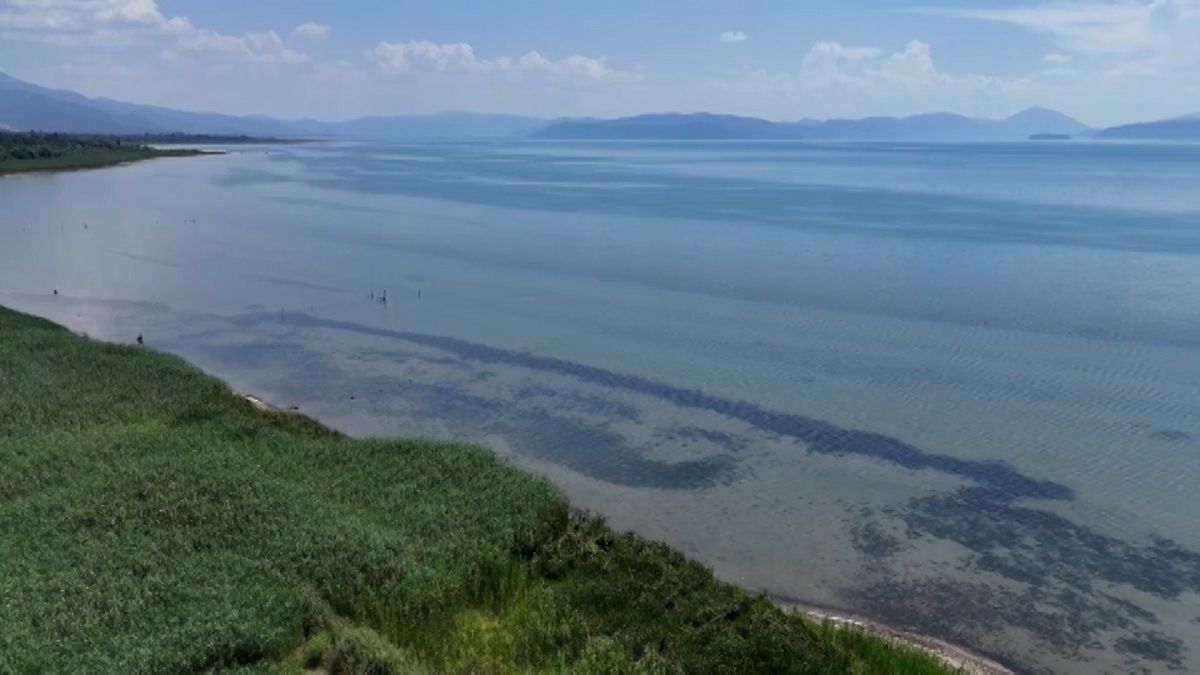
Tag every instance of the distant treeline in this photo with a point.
(37, 145)
(184, 139)
(28, 146)
(34, 151)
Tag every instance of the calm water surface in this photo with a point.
(955, 388)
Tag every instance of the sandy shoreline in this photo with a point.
(959, 658)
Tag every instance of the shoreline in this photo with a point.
(957, 657)
(326, 534)
(106, 164)
(961, 658)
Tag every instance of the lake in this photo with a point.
(951, 388)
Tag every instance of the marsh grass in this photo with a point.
(153, 520)
(30, 152)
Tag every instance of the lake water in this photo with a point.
(953, 388)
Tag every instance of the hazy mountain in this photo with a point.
(33, 108)
(1038, 120)
(166, 120)
(25, 106)
(436, 125)
(1178, 128)
(28, 107)
(669, 126)
(926, 127)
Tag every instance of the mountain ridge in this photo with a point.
(30, 107)
(924, 126)
(1184, 128)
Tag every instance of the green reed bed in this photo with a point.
(151, 520)
(29, 152)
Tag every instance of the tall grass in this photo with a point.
(25, 152)
(153, 521)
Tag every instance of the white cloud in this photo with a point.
(581, 67)
(75, 16)
(124, 23)
(255, 47)
(836, 80)
(459, 57)
(1115, 47)
(834, 63)
(313, 31)
(133, 12)
(401, 57)
(1161, 28)
(338, 72)
(78, 22)
(831, 55)
(734, 37)
(1079, 26)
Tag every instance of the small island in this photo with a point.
(1050, 137)
(32, 151)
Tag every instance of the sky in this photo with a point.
(1102, 61)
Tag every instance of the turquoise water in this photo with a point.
(953, 388)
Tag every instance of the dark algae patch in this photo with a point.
(602, 454)
(1062, 568)
(730, 443)
(1043, 547)
(1153, 647)
(818, 436)
(583, 403)
(585, 446)
(1171, 435)
(872, 540)
(152, 520)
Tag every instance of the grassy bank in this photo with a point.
(27, 152)
(153, 520)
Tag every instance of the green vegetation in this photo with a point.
(153, 520)
(214, 139)
(48, 152)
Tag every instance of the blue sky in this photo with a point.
(1104, 61)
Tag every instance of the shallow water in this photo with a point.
(955, 388)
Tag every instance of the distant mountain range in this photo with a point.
(26, 106)
(33, 108)
(1179, 128)
(927, 127)
(668, 126)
